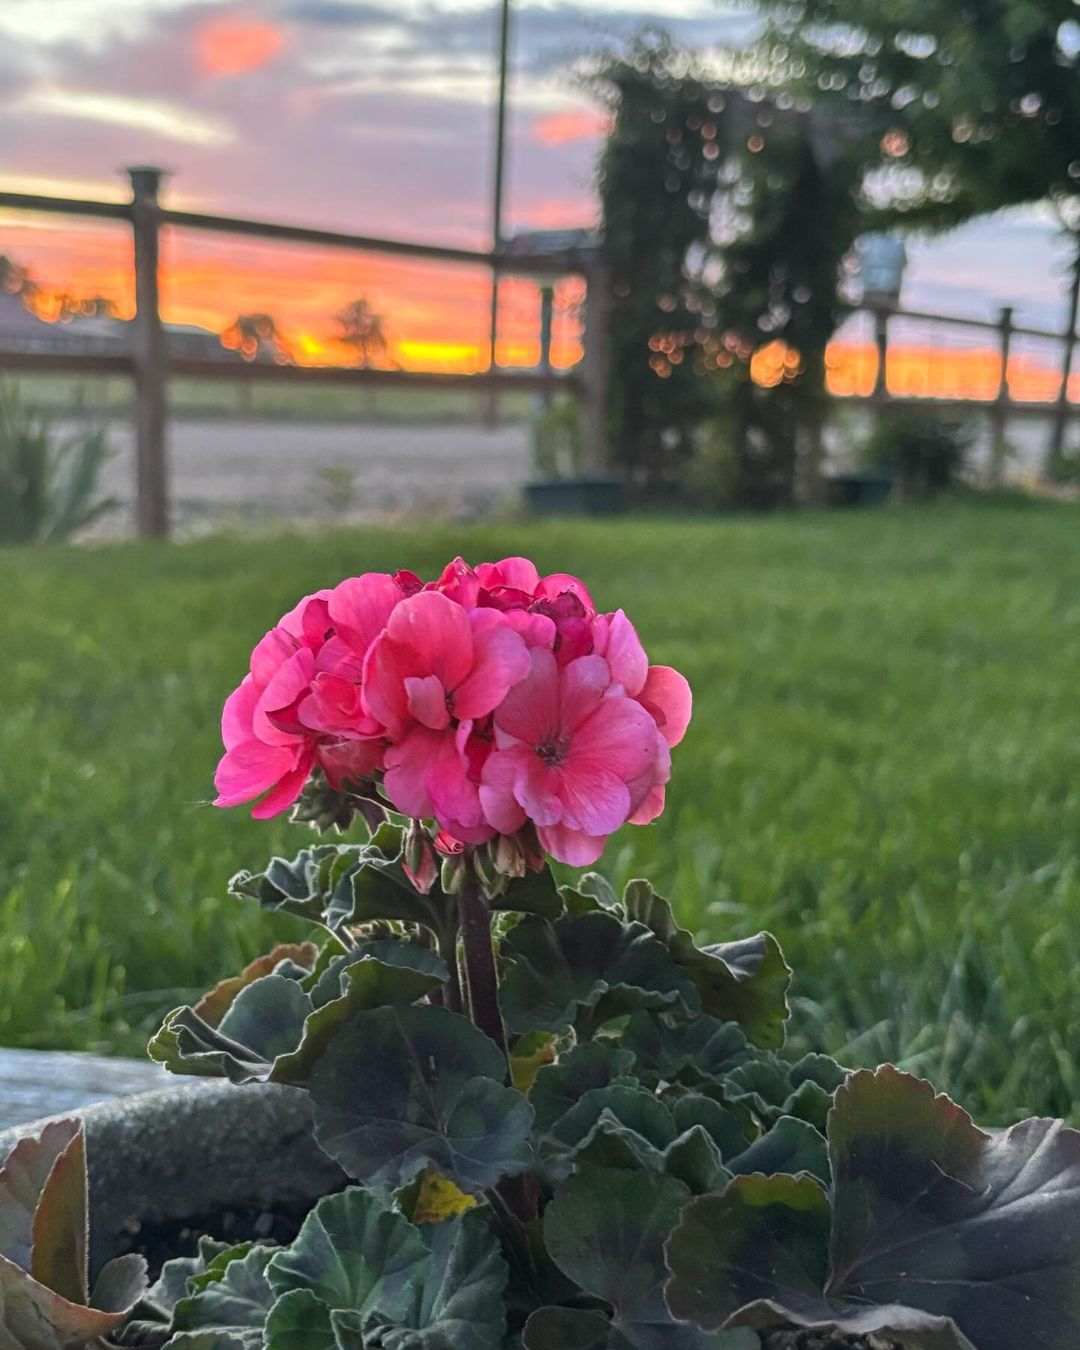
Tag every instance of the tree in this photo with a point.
(257, 337)
(361, 330)
(727, 217)
(981, 97)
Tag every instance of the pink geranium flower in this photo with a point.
(433, 673)
(575, 755)
(300, 706)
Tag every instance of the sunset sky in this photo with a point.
(369, 116)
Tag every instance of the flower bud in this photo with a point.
(509, 855)
(418, 860)
(454, 871)
(487, 873)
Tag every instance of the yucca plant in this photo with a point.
(49, 484)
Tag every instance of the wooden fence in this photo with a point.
(150, 364)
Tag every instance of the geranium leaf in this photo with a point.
(891, 1324)
(572, 1329)
(559, 1086)
(581, 971)
(790, 1146)
(383, 973)
(22, 1179)
(213, 1006)
(354, 1253)
(723, 1128)
(43, 1202)
(761, 1237)
(605, 1228)
(436, 1097)
(931, 1212)
(534, 893)
(235, 1302)
(744, 982)
(298, 1321)
(438, 1286)
(705, 1050)
(58, 1252)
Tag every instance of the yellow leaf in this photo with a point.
(439, 1199)
(524, 1068)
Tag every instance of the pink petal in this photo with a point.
(459, 582)
(408, 764)
(284, 689)
(619, 737)
(350, 761)
(615, 639)
(518, 573)
(530, 710)
(500, 660)
(583, 684)
(360, 607)
(499, 774)
(652, 805)
(667, 697)
(438, 631)
(536, 630)
(386, 669)
(250, 768)
(427, 701)
(538, 788)
(594, 799)
(287, 791)
(238, 712)
(293, 622)
(559, 583)
(457, 800)
(570, 846)
(270, 654)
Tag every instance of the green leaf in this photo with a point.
(433, 1287)
(761, 1237)
(704, 1050)
(267, 1018)
(931, 1212)
(237, 1300)
(559, 1086)
(572, 1329)
(298, 1321)
(534, 893)
(744, 982)
(435, 1096)
(722, 1127)
(385, 973)
(581, 971)
(605, 1228)
(213, 1006)
(790, 1146)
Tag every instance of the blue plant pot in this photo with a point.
(868, 487)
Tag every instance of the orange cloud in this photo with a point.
(561, 128)
(232, 44)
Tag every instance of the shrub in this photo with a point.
(927, 450)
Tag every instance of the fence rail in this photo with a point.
(150, 364)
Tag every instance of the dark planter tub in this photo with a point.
(599, 495)
(870, 487)
(167, 1165)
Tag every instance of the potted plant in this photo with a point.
(563, 484)
(560, 1123)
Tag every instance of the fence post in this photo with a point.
(1000, 449)
(1061, 411)
(594, 364)
(149, 357)
(881, 342)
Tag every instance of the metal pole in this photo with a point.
(497, 194)
(594, 365)
(1061, 412)
(881, 342)
(149, 358)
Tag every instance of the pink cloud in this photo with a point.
(234, 44)
(562, 128)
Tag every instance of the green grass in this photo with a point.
(883, 768)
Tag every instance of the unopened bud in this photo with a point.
(418, 859)
(454, 871)
(509, 855)
(487, 873)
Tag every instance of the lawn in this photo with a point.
(883, 768)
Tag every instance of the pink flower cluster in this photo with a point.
(487, 699)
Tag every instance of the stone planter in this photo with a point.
(183, 1156)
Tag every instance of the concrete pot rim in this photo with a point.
(178, 1153)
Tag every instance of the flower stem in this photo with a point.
(451, 991)
(474, 914)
